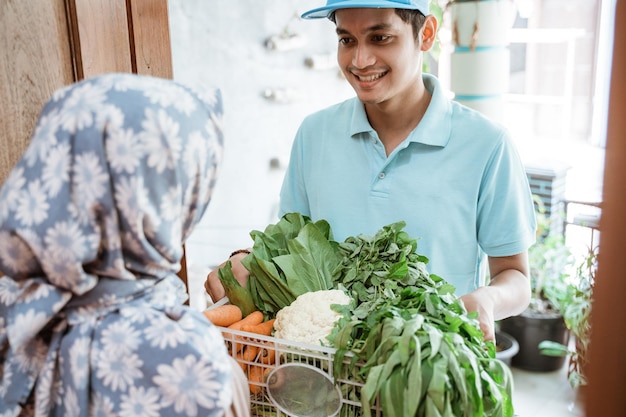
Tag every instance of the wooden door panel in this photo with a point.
(100, 37)
(35, 60)
(150, 38)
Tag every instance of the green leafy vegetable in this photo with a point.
(236, 293)
(417, 349)
(291, 257)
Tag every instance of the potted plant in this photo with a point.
(506, 347)
(551, 263)
(574, 300)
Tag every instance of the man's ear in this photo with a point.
(429, 32)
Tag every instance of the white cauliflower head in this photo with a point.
(310, 319)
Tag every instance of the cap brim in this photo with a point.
(322, 12)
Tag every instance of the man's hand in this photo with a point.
(480, 302)
(214, 287)
(507, 294)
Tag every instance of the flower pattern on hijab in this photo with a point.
(119, 170)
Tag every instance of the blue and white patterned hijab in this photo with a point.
(119, 170)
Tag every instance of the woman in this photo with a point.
(92, 221)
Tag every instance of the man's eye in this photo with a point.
(344, 41)
(381, 38)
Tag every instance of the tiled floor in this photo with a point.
(545, 394)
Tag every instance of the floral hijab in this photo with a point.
(119, 170)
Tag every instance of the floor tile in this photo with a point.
(544, 394)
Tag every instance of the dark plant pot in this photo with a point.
(530, 329)
(506, 346)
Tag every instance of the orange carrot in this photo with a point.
(246, 356)
(264, 328)
(250, 353)
(255, 317)
(224, 315)
(267, 356)
(257, 376)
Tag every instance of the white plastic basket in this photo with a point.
(286, 351)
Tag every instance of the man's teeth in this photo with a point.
(370, 78)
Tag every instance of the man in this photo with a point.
(401, 150)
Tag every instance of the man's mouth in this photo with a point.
(369, 78)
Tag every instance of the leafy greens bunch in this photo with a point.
(418, 350)
(289, 258)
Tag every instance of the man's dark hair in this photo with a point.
(414, 17)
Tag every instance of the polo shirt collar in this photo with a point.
(435, 127)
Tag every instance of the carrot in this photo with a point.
(250, 353)
(264, 328)
(224, 315)
(256, 317)
(256, 377)
(246, 355)
(267, 356)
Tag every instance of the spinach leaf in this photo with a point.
(236, 293)
(289, 258)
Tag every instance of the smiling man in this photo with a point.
(401, 150)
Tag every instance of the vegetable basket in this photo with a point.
(405, 344)
(286, 351)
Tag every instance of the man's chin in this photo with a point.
(369, 98)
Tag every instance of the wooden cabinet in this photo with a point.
(46, 44)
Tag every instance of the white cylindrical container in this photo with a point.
(481, 22)
(480, 72)
(490, 106)
(480, 63)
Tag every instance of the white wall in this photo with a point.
(222, 43)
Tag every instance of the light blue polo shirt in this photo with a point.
(457, 180)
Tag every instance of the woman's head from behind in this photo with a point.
(119, 170)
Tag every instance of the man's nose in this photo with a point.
(363, 56)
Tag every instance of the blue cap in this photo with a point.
(332, 5)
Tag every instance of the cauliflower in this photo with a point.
(310, 319)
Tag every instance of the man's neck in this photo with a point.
(395, 119)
